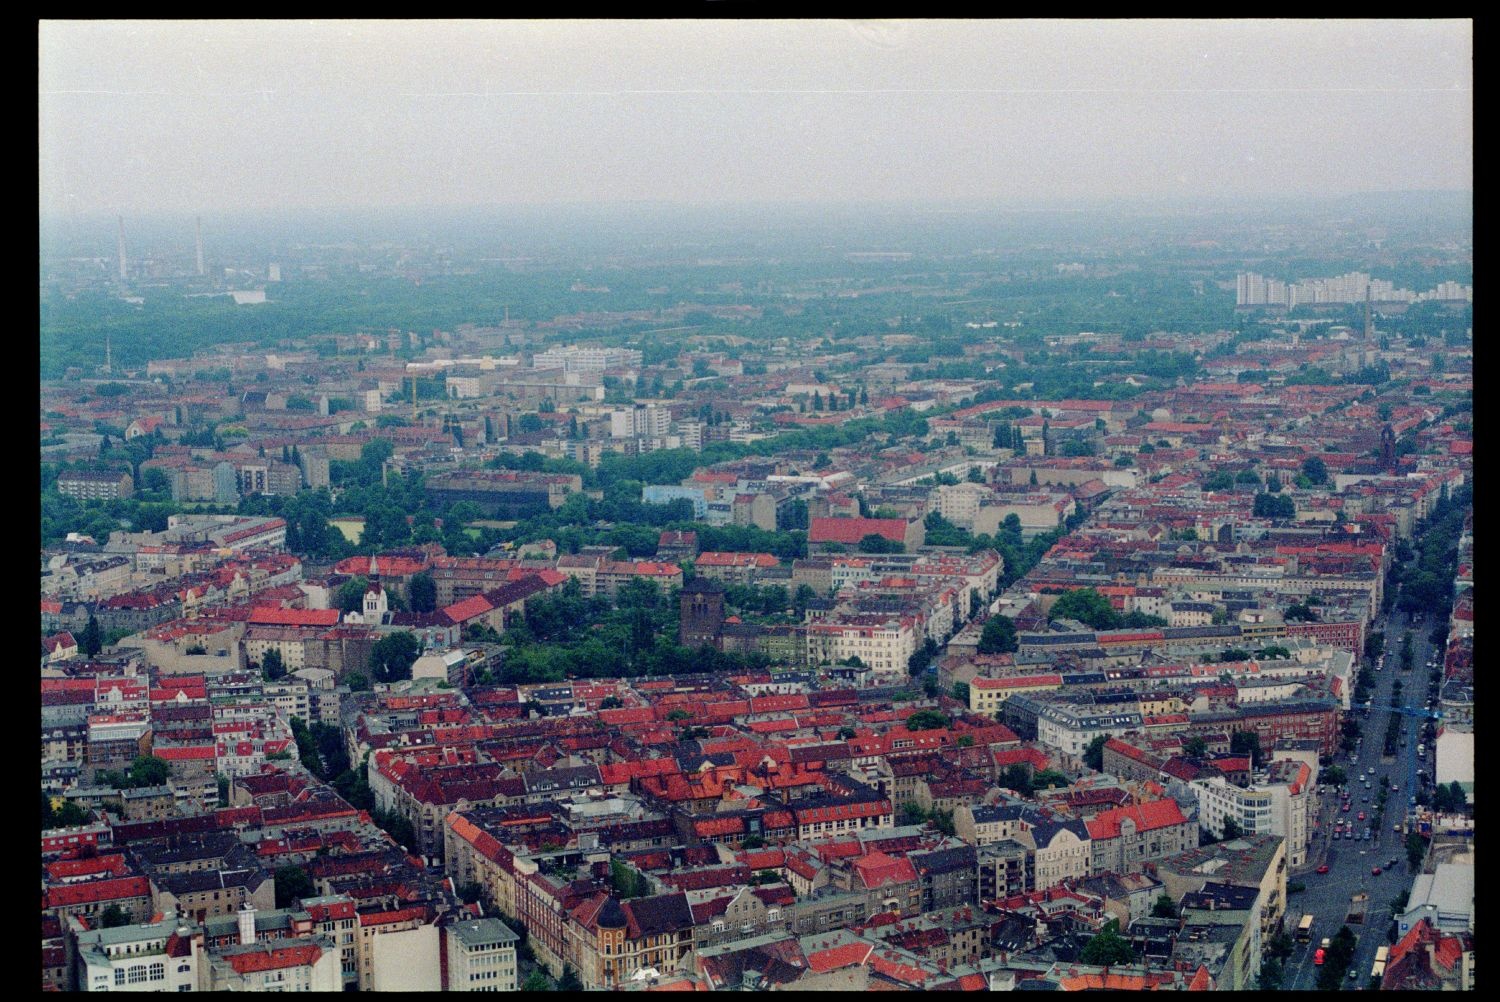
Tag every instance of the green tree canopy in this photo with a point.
(71, 814)
(393, 655)
(1108, 947)
(537, 981)
(1087, 606)
(926, 720)
(113, 917)
(92, 640)
(999, 636)
(351, 594)
(148, 770)
(423, 591)
(875, 543)
(1017, 777)
(1093, 754)
(292, 884)
(1247, 743)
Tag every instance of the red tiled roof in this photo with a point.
(1015, 681)
(833, 958)
(468, 609)
(394, 566)
(266, 616)
(113, 864)
(878, 869)
(1157, 814)
(93, 891)
(893, 968)
(273, 958)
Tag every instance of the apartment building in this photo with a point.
(96, 485)
(883, 644)
(162, 956)
(481, 956)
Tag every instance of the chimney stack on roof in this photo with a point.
(247, 924)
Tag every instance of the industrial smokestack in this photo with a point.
(122, 248)
(200, 245)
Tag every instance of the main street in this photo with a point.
(1350, 863)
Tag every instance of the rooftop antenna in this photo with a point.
(122, 247)
(200, 246)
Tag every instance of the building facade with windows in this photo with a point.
(162, 956)
(481, 956)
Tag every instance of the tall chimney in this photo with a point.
(200, 245)
(122, 248)
(247, 924)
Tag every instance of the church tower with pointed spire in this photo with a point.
(376, 605)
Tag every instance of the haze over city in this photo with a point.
(224, 116)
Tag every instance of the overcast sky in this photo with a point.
(141, 117)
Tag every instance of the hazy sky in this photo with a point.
(140, 117)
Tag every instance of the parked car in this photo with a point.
(1375, 871)
(1323, 868)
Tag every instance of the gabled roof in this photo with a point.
(832, 958)
(1146, 817)
(655, 916)
(266, 616)
(272, 957)
(878, 869)
(93, 891)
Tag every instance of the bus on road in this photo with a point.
(1381, 955)
(1304, 929)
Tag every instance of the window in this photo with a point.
(136, 974)
(158, 972)
(119, 976)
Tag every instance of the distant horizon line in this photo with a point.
(1050, 204)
